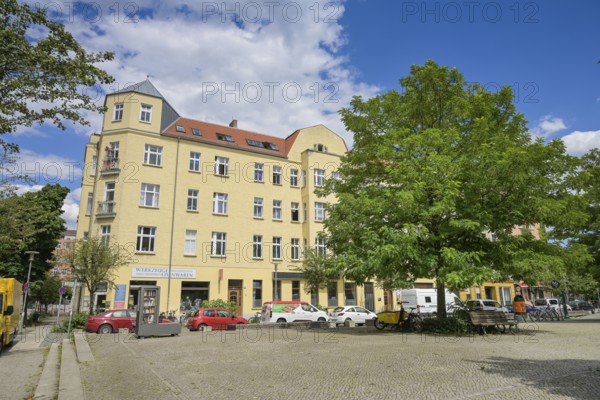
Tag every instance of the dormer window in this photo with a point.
(180, 128)
(118, 112)
(146, 113)
(196, 132)
(320, 148)
(225, 138)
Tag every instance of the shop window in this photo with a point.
(350, 293)
(193, 294)
(296, 290)
(332, 300)
(257, 294)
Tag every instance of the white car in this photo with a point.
(485, 305)
(343, 315)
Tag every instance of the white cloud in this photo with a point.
(211, 68)
(548, 125)
(578, 143)
(45, 168)
(71, 208)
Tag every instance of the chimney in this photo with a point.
(233, 123)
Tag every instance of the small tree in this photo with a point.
(317, 271)
(95, 262)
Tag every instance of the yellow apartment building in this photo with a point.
(209, 211)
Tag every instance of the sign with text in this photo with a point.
(157, 272)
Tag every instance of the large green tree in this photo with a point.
(95, 262)
(31, 221)
(316, 270)
(44, 71)
(439, 176)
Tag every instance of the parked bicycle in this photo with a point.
(407, 322)
(255, 319)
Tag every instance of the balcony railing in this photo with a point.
(106, 209)
(110, 165)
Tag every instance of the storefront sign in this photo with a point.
(154, 272)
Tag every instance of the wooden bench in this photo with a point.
(499, 320)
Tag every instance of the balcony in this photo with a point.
(110, 166)
(106, 209)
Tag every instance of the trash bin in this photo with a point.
(519, 307)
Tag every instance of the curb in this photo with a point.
(69, 387)
(48, 383)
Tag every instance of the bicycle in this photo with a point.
(407, 322)
(255, 319)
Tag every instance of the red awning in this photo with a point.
(521, 284)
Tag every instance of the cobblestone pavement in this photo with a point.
(557, 360)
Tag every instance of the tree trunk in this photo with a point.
(441, 299)
(91, 302)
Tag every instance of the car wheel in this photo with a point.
(347, 322)
(281, 321)
(104, 329)
(321, 319)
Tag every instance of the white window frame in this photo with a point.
(295, 249)
(319, 177)
(118, 112)
(258, 207)
(220, 201)
(195, 161)
(145, 113)
(146, 233)
(153, 155)
(276, 253)
(320, 214)
(294, 177)
(219, 244)
(90, 203)
(105, 234)
(277, 210)
(277, 174)
(320, 246)
(259, 175)
(189, 248)
(150, 192)
(257, 247)
(295, 207)
(221, 166)
(192, 199)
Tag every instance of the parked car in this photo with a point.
(291, 311)
(425, 301)
(111, 321)
(550, 302)
(485, 305)
(581, 305)
(343, 315)
(216, 318)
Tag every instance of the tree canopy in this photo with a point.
(439, 177)
(44, 71)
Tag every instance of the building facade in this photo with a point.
(209, 211)
(61, 263)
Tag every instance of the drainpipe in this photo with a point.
(172, 227)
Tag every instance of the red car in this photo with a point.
(111, 321)
(216, 318)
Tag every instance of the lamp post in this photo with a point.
(275, 295)
(31, 257)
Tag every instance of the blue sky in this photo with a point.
(283, 65)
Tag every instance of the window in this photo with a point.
(219, 240)
(332, 294)
(145, 239)
(277, 210)
(320, 246)
(257, 294)
(336, 176)
(294, 177)
(255, 143)
(258, 207)
(296, 290)
(194, 161)
(320, 148)
(90, 200)
(192, 200)
(94, 165)
(319, 211)
(196, 132)
(150, 194)
(220, 203)
(221, 166)
(112, 151)
(190, 243)
(276, 248)
(257, 246)
(276, 175)
(295, 207)
(276, 289)
(350, 293)
(105, 234)
(295, 249)
(153, 155)
(225, 138)
(118, 112)
(180, 128)
(146, 113)
(319, 177)
(258, 172)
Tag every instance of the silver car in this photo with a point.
(485, 305)
(343, 315)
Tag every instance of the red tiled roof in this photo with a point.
(209, 135)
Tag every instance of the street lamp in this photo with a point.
(31, 256)
(275, 296)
